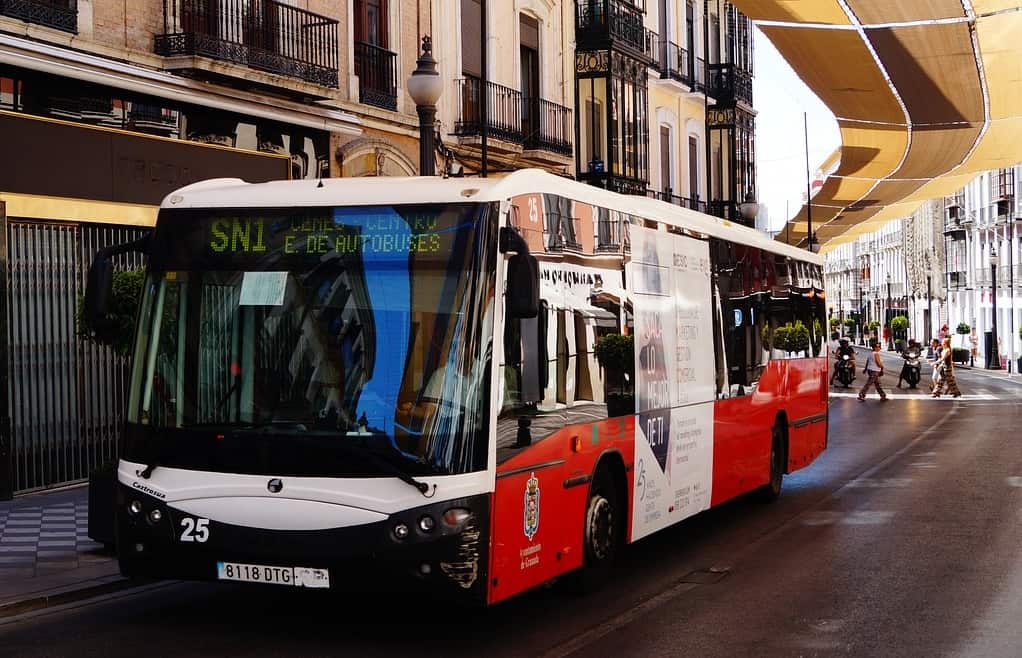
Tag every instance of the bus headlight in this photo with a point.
(401, 531)
(456, 517)
(426, 524)
(155, 516)
(135, 508)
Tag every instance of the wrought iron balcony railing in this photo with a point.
(675, 62)
(564, 236)
(599, 23)
(547, 126)
(693, 203)
(729, 83)
(262, 34)
(725, 210)
(697, 72)
(376, 69)
(503, 110)
(532, 122)
(58, 14)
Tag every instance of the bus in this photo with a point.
(472, 385)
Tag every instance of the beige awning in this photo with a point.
(926, 97)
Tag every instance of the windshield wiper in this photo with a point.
(390, 468)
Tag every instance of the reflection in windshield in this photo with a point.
(372, 324)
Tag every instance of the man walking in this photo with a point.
(874, 370)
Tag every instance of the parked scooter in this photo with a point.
(845, 370)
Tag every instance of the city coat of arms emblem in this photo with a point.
(531, 506)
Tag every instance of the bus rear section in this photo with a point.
(657, 381)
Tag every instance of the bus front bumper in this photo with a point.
(157, 540)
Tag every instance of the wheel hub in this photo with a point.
(600, 526)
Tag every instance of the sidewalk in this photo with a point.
(46, 556)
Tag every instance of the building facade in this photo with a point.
(953, 263)
(107, 107)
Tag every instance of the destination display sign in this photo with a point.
(321, 235)
(275, 239)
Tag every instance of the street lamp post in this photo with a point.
(424, 87)
(888, 316)
(840, 312)
(994, 357)
(929, 312)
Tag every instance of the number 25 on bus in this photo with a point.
(475, 386)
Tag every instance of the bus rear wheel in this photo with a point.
(602, 531)
(771, 491)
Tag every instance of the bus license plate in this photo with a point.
(261, 573)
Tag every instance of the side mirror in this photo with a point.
(523, 286)
(522, 275)
(98, 290)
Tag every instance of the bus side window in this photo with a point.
(719, 354)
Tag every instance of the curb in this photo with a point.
(77, 592)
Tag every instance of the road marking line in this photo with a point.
(895, 396)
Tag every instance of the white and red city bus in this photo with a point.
(378, 379)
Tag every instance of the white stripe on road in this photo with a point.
(895, 396)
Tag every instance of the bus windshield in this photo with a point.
(339, 341)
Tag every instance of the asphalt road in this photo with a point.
(903, 539)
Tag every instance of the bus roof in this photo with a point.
(236, 193)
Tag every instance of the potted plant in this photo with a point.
(834, 322)
(817, 337)
(963, 330)
(616, 355)
(873, 327)
(850, 324)
(800, 339)
(782, 334)
(899, 325)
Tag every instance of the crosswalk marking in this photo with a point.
(924, 396)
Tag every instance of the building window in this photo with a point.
(666, 179)
(528, 34)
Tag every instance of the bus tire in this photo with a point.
(601, 534)
(771, 491)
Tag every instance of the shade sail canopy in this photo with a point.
(927, 94)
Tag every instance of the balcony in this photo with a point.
(726, 210)
(516, 120)
(503, 110)
(547, 126)
(728, 84)
(698, 74)
(611, 236)
(58, 14)
(605, 24)
(676, 63)
(260, 34)
(563, 236)
(692, 203)
(376, 69)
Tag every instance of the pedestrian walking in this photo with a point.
(875, 370)
(947, 372)
(934, 364)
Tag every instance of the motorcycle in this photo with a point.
(910, 371)
(845, 370)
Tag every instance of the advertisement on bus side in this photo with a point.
(674, 389)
